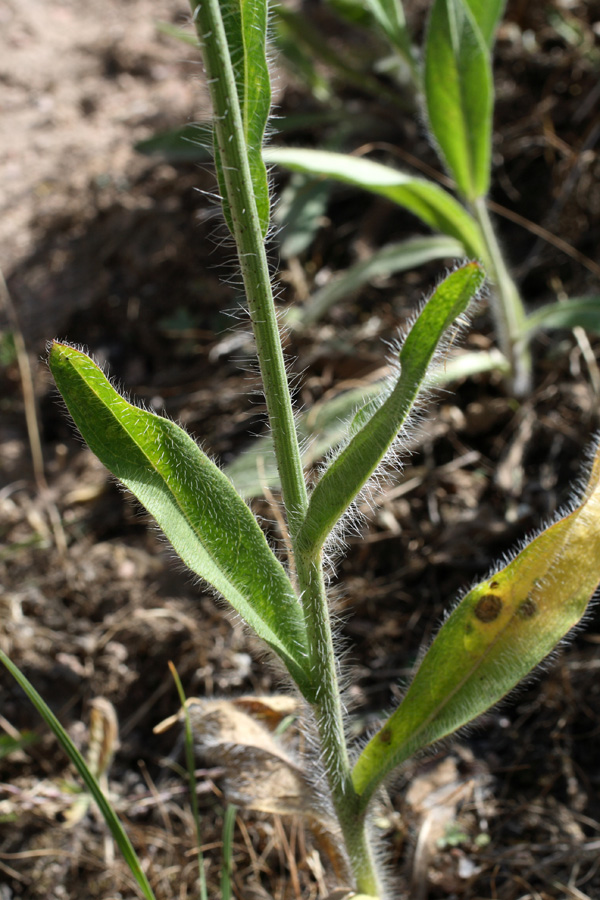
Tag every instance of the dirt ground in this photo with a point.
(122, 252)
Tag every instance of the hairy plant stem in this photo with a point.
(330, 723)
(508, 311)
(229, 133)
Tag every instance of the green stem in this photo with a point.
(508, 310)
(229, 133)
(330, 724)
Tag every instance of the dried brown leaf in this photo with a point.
(259, 772)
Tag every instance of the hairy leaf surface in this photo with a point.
(499, 632)
(195, 504)
(376, 425)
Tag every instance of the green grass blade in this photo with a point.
(431, 203)
(577, 311)
(90, 782)
(376, 425)
(459, 94)
(227, 868)
(499, 632)
(384, 262)
(194, 503)
(245, 27)
(190, 760)
(487, 14)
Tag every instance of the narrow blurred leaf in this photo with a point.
(194, 503)
(90, 782)
(577, 311)
(389, 16)
(177, 32)
(194, 142)
(299, 59)
(487, 14)
(459, 94)
(10, 744)
(326, 424)
(320, 429)
(474, 362)
(501, 630)
(376, 425)
(311, 40)
(190, 762)
(353, 11)
(431, 203)
(191, 142)
(227, 866)
(384, 262)
(299, 214)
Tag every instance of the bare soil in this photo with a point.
(121, 252)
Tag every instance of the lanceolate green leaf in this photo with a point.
(487, 14)
(194, 503)
(245, 27)
(500, 631)
(431, 203)
(459, 94)
(376, 425)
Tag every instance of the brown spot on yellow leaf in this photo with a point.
(385, 736)
(488, 608)
(528, 608)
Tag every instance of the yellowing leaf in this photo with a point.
(499, 632)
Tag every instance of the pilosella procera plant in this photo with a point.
(501, 629)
